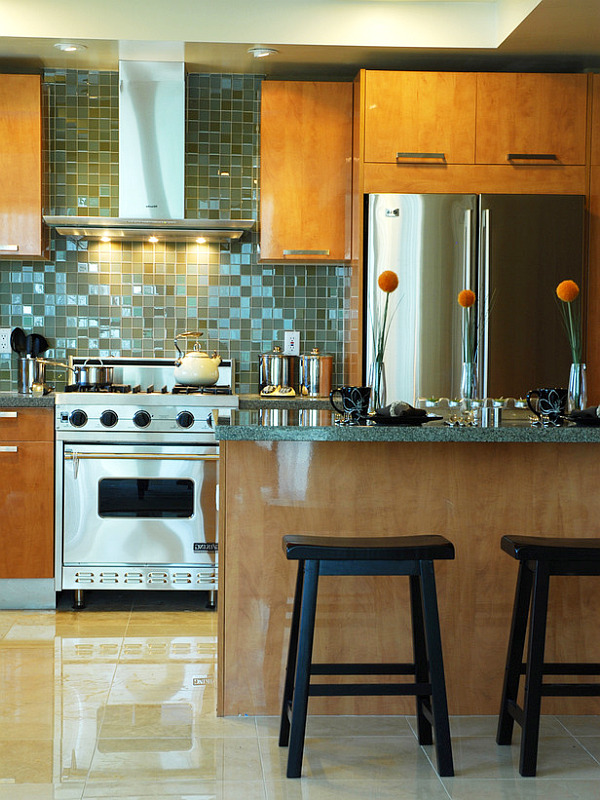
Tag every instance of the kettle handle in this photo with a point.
(185, 335)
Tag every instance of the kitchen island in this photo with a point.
(470, 484)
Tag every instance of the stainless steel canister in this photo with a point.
(315, 374)
(32, 372)
(276, 369)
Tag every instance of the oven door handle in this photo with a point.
(76, 457)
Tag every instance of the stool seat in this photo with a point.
(546, 548)
(365, 548)
(540, 558)
(410, 556)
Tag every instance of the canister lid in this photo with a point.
(316, 353)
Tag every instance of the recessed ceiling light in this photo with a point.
(262, 52)
(70, 47)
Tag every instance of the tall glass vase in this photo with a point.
(377, 384)
(577, 397)
(468, 382)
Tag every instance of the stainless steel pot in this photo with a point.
(276, 369)
(32, 372)
(89, 375)
(315, 374)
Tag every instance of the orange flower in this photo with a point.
(388, 281)
(466, 298)
(567, 291)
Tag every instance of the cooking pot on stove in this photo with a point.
(196, 368)
(92, 374)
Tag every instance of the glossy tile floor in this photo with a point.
(118, 701)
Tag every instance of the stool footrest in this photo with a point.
(570, 689)
(368, 689)
(362, 669)
(567, 668)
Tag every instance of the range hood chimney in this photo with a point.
(151, 165)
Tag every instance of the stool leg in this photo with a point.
(535, 671)
(514, 657)
(424, 730)
(439, 703)
(303, 665)
(290, 669)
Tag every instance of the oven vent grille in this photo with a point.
(167, 578)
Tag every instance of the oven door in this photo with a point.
(146, 505)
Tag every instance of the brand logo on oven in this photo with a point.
(205, 547)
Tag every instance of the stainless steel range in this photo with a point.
(137, 480)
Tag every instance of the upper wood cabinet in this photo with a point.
(537, 117)
(306, 171)
(22, 232)
(419, 117)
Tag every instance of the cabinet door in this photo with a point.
(426, 117)
(22, 233)
(539, 118)
(596, 120)
(27, 510)
(306, 152)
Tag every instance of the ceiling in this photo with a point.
(315, 38)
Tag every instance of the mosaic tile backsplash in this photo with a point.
(131, 299)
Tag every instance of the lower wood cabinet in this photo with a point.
(27, 495)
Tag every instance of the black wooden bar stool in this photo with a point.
(539, 558)
(402, 555)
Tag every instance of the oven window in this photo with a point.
(145, 497)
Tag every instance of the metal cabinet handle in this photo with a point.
(306, 252)
(9, 449)
(70, 456)
(430, 156)
(532, 157)
(13, 248)
(9, 414)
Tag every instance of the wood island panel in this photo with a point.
(471, 492)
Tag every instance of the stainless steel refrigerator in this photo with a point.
(512, 250)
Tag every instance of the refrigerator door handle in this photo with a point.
(467, 244)
(484, 306)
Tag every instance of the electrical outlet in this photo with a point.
(291, 343)
(5, 340)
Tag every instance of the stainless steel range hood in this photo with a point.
(151, 165)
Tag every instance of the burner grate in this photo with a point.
(181, 389)
(84, 388)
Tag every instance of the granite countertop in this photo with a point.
(257, 401)
(18, 400)
(319, 426)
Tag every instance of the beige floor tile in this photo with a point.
(207, 759)
(522, 789)
(343, 725)
(558, 757)
(26, 761)
(177, 790)
(352, 758)
(312, 789)
(588, 725)
(48, 791)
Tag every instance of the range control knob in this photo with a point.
(185, 419)
(109, 418)
(78, 418)
(142, 419)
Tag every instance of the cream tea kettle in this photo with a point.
(195, 368)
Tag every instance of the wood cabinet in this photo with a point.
(419, 117)
(595, 157)
(306, 154)
(27, 497)
(537, 118)
(22, 231)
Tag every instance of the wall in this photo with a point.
(131, 299)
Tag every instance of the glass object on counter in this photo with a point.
(577, 397)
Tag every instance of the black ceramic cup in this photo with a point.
(548, 403)
(351, 401)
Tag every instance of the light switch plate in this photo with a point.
(5, 340)
(291, 343)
